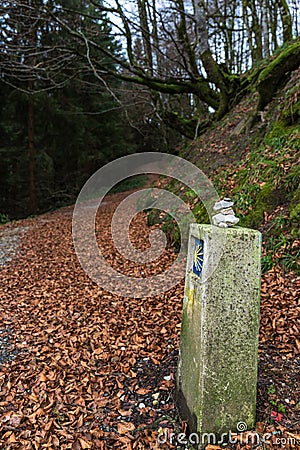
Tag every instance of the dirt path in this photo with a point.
(91, 368)
(83, 368)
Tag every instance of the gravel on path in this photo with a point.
(10, 239)
(9, 243)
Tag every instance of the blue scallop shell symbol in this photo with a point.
(198, 257)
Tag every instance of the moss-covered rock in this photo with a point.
(266, 200)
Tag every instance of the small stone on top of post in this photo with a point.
(225, 216)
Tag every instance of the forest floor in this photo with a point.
(81, 368)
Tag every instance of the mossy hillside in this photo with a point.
(267, 178)
(294, 213)
(267, 199)
(263, 180)
(265, 189)
(264, 184)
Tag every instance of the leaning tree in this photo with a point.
(191, 55)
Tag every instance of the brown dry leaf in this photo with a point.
(125, 440)
(42, 377)
(12, 439)
(143, 391)
(33, 397)
(294, 436)
(212, 447)
(85, 444)
(80, 421)
(125, 427)
(48, 425)
(260, 426)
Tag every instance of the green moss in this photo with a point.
(153, 217)
(270, 77)
(295, 214)
(267, 199)
(278, 131)
(291, 114)
(201, 214)
(4, 218)
(292, 183)
(295, 220)
(282, 58)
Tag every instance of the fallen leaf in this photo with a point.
(125, 427)
(85, 444)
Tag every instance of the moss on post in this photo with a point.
(217, 371)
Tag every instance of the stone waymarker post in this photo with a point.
(217, 370)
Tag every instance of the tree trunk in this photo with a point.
(253, 30)
(274, 24)
(146, 37)
(286, 19)
(212, 69)
(31, 148)
(266, 29)
(184, 39)
(31, 154)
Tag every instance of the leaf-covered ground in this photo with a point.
(81, 368)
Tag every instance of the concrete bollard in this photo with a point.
(217, 369)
